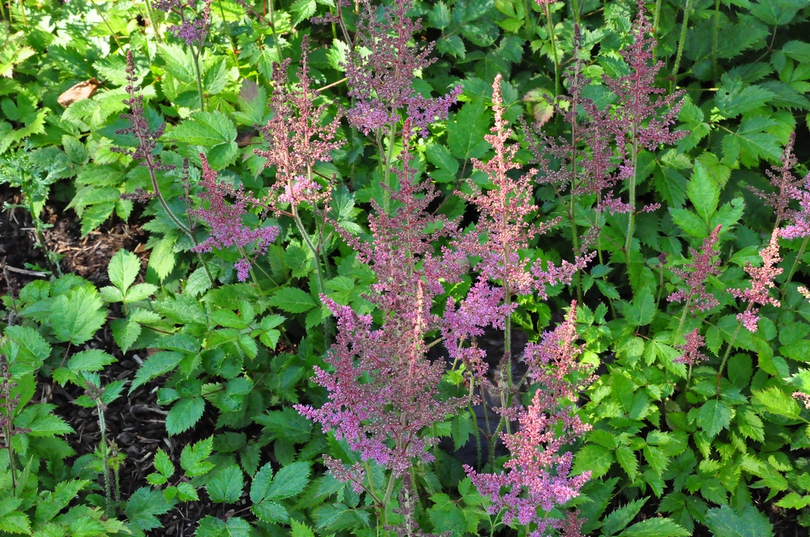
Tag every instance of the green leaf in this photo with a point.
(755, 142)
(303, 10)
(689, 222)
(440, 16)
(144, 506)
(193, 458)
(465, 135)
(289, 481)
(597, 459)
(655, 527)
(301, 530)
(162, 257)
(261, 483)
(714, 416)
(156, 365)
(734, 97)
(15, 523)
(618, 519)
(75, 317)
(179, 62)
(216, 76)
(215, 132)
(286, 424)
(628, 461)
(123, 269)
(163, 464)
(270, 511)
(292, 300)
(226, 486)
(725, 522)
(778, 402)
(642, 311)
(704, 192)
(125, 333)
(186, 492)
(32, 352)
(184, 414)
(214, 527)
(142, 291)
(90, 360)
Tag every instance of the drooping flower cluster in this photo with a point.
(381, 69)
(691, 349)
(702, 266)
(538, 474)
(225, 220)
(382, 389)
(295, 138)
(762, 281)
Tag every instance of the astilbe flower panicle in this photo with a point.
(503, 218)
(295, 138)
(138, 126)
(192, 31)
(702, 266)
(381, 68)
(382, 388)
(799, 227)
(225, 220)
(788, 186)
(762, 281)
(691, 349)
(537, 475)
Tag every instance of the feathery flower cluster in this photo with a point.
(691, 349)
(295, 138)
(381, 69)
(503, 218)
(803, 397)
(800, 226)
(702, 265)
(382, 390)
(762, 281)
(788, 185)
(537, 475)
(225, 220)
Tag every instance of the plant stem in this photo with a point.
(387, 170)
(714, 42)
(728, 351)
(681, 42)
(631, 218)
(110, 512)
(275, 33)
(575, 9)
(656, 20)
(553, 50)
(151, 16)
(198, 73)
(22, 10)
(107, 24)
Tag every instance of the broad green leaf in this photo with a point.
(125, 333)
(703, 192)
(655, 527)
(292, 300)
(16, 523)
(289, 481)
(261, 483)
(226, 486)
(628, 461)
(301, 530)
(778, 402)
(286, 424)
(163, 464)
(179, 62)
(75, 317)
(714, 416)
(33, 349)
(594, 458)
(215, 132)
(619, 518)
(440, 16)
(465, 135)
(689, 222)
(214, 527)
(642, 310)
(184, 414)
(270, 511)
(162, 258)
(90, 360)
(725, 522)
(144, 506)
(154, 366)
(193, 458)
(142, 291)
(734, 97)
(123, 269)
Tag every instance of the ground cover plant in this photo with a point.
(462, 267)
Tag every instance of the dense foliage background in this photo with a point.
(290, 210)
